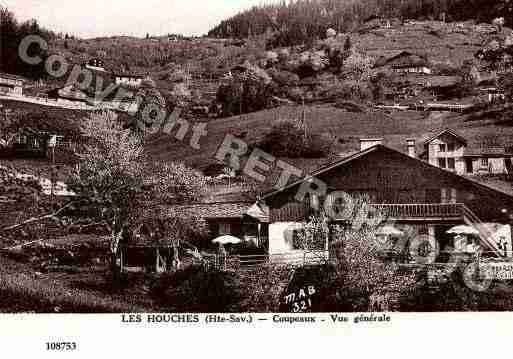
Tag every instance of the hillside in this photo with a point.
(302, 20)
(342, 127)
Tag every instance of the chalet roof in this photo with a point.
(381, 148)
(442, 81)
(128, 75)
(215, 210)
(324, 169)
(446, 131)
(402, 59)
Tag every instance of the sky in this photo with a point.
(95, 18)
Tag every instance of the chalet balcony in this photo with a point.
(438, 212)
(422, 211)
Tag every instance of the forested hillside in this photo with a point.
(304, 19)
(12, 32)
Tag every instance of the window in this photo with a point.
(442, 147)
(484, 162)
(451, 163)
(454, 195)
(224, 228)
(450, 147)
(469, 165)
(442, 163)
(423, 231)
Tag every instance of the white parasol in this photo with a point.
(463, 229)
(227, 239)
(389, 230)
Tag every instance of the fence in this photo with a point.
(74, 105)
(237, 262)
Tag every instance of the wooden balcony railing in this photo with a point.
(422, 210)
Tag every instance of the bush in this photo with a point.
(262, 288)
(454, 295)
(287, 139)
(361, 273)
(195, 290)
(246, 94)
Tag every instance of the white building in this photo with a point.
(95, 64)
(11, 85)
(128, 79)
(452, 152)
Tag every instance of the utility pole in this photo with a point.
(52, 143)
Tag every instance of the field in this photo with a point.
(343, 128)
(450, 44)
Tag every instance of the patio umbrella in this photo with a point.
(463, 229)
(226, 239)
(389, 231)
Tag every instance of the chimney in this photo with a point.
(411, 147)
(369, 142)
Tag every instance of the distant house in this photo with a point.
(95, 64)
(405, 62)
(29, 142)
(11, 84)
(442, 86)
(128, 79)
(494, 94)
(68, 94)
(452, 152)
(498, 59)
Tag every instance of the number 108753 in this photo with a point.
(61, 346)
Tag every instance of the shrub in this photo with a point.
(245, 94)
(288, 139)
(360, 271)
(262, 288)
(196, 290)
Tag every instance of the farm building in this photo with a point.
(68, 94)
(11, 84)
(443, 86)
(155, 253)
(221, 218)
(404, 62)
(30, 142)
(415, 195)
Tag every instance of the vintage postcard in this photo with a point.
(331, 165)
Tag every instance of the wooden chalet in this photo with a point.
(413, 194)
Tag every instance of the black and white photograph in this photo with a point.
(265, 162)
